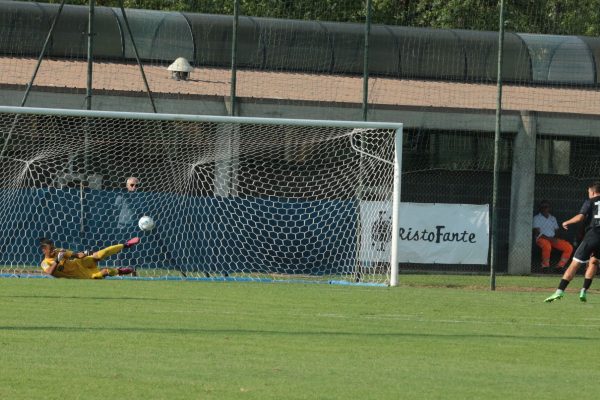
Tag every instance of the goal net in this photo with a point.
(232, 198)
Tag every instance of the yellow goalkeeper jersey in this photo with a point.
(74, 268)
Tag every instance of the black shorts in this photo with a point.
(590, 245)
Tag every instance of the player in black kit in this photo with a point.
(589, 246)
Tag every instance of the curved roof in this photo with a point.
(307, 46)
(560, 59)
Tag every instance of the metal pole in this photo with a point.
(234, 38)
(497, 149)
(365, 89)
(90, 55)
(137, 56)
(365, 104)
(88, 106)
(396, 208)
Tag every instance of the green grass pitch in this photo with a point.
(433, 337)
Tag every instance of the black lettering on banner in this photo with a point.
(439, 235)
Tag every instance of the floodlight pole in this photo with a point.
(497, 149)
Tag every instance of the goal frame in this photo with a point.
(396, 127)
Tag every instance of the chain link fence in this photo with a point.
(431, 65)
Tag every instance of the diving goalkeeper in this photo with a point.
(62, 263)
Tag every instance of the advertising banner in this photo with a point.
(429, 233)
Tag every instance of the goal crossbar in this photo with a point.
(63, 112)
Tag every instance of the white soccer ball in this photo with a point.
(146, 223)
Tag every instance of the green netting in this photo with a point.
(431, 65)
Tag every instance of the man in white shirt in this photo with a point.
(544, 229)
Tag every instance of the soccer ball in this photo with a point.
(146, 223)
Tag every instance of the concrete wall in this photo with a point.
(411, 117)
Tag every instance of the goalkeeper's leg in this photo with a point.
(104, 272)
(114, 249)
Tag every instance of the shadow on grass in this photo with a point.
(192, 331)
(96, 298)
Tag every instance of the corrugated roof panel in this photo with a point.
(70, 34)
(308, 46)
(593, 44)
(430, 53)
(213, 37)
(23, 28)
(162, 36)
(384, 52)
(297, 45)
(481, 52)
(559, 59)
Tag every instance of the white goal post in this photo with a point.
(233, 198)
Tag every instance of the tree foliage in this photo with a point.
(562, 17)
